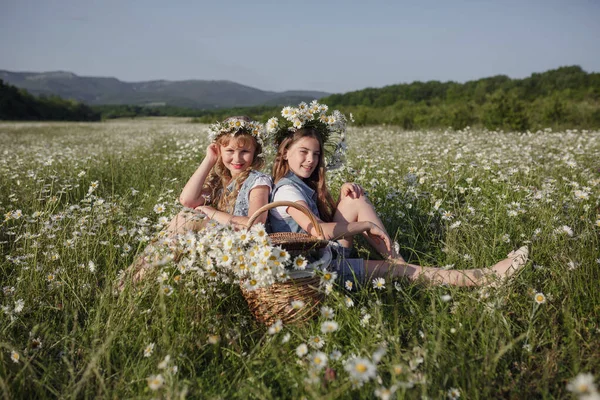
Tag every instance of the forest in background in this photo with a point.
(566, 97)
(18, 105)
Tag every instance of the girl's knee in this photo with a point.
(353, 202)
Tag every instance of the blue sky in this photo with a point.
(334, 46)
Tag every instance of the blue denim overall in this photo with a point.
(310, 196)
(347, 269)
(242, 202)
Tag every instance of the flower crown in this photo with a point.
(234, 125)
(331, 128)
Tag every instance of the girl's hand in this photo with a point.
(212, 153)
(352, 190)
(378, 235)
(206, 210)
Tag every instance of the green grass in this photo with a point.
(506, 189)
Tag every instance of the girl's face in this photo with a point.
(238, 155)
(303, 156)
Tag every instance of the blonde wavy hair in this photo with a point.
(220, 176)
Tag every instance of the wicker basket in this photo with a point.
(274, 302)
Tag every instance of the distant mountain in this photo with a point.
(199, 94)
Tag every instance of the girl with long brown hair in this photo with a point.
(299, 176)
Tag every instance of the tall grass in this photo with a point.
(78, 203)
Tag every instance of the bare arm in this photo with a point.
(192, 196)
(258, 197)
(338, 230)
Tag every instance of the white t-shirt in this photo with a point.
(286, 193)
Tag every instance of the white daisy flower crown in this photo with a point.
(331, 128)
(233, 126)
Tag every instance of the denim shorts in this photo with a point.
(347, 269)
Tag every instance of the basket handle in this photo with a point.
(292, 204)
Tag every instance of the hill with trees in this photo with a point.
(563, 97)
(17, 104)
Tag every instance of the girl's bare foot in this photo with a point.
(135, 272)
(515, 262)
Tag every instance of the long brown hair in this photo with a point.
(220, 177)
(316, 180)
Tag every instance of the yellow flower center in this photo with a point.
(362, 368)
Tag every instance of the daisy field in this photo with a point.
(80, 200)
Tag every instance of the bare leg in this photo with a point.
(361, 209)
(182, 223)
(437, 276)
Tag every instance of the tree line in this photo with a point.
(566, 97)
(18, 105)
(110, 111)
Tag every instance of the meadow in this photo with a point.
(80, 200)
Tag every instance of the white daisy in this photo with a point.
(165, 362)
(384, 393)
(213, 339)
(318, 359)
(272, 125)
(379, 283)
(348, 302)
(149, 350)
(276, 327)
(316, 342)
(155, 382)
(583, 383)
(250, 285)
(300, 263)
(329, 327)
(258, 232)
(327, 312)
(539, 298)
(360, 369)
(328, 277)
(167, 290)
(302, 350)
(297, 304)
(19, 304)
(453, 394)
